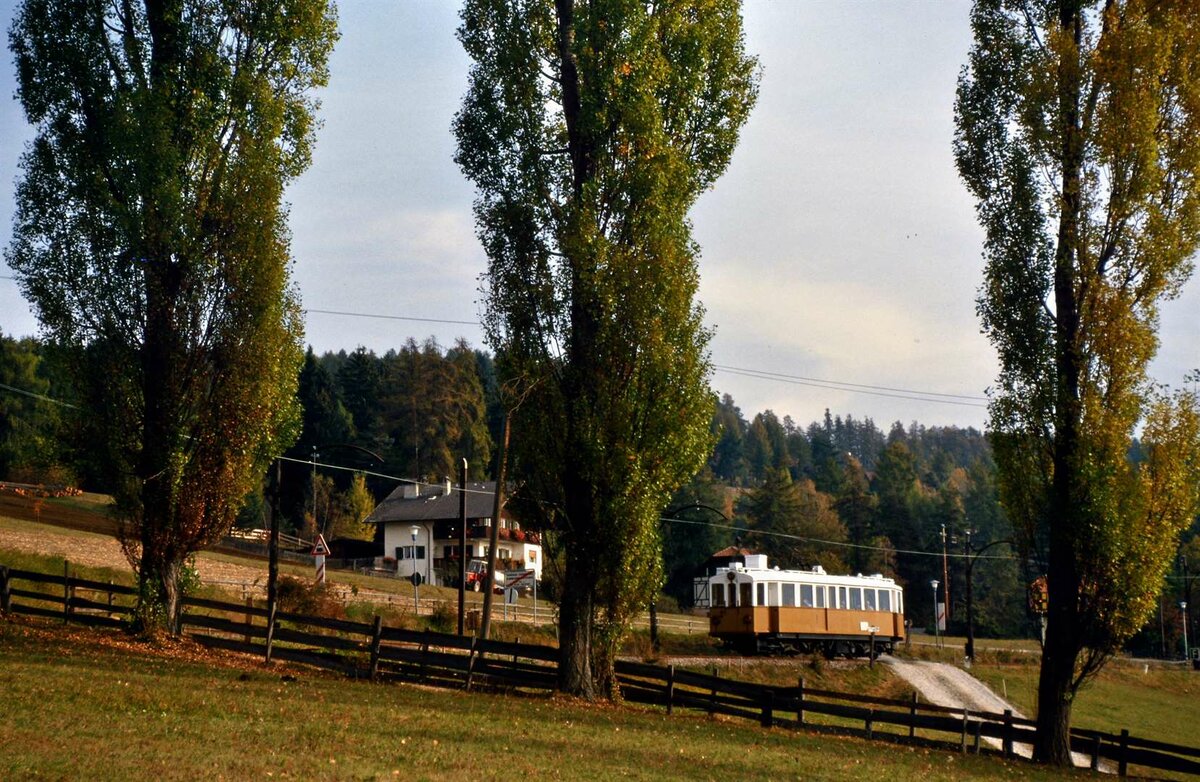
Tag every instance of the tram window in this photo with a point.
(885, 600)
(789, 594)
(746, 594)
(772, 594)
(870, 599)
(856, 599)
(718, 594)
(820, 597)
(842, 598)
(899, 602)
(806, 595)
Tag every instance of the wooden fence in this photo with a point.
(373, 651)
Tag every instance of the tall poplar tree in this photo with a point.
(589, 130)
(1078, 131)
(150, 229)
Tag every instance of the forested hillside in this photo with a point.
(840, 492)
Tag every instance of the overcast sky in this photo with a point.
(840, 245)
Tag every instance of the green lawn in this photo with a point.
(85, 705)
(1159, 703)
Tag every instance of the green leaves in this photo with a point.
(589, 130)
(1077, 128)
(150, 233)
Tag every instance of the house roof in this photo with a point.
(435, 503)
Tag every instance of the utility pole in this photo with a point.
(946, 576)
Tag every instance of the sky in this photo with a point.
(839, 246)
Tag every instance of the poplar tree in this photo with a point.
(589, 130)
(1078, 132)
(150, 231)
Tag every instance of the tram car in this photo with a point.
(761, 610)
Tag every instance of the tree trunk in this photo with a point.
(1052, 744)
(575, 675)
(1056, 681)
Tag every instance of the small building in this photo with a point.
(421, 527)
(725, 558)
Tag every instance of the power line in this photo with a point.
(746, 530)
(963, 400)
(42, 397)
(395, 317)
(830, 386)
(782, 376)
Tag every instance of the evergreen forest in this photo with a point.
(913, 502)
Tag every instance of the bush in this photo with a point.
(443, 619)
(297, 596)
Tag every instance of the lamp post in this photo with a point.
(936, 630)
(416, 574)
(972, 556)
(1183, 608)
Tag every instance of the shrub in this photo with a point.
(297, 596)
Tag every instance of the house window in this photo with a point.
(533, 555)
(407, 552)
(789, 594)
(504, 553)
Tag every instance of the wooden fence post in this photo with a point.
(912, 716)
(712, 696)
(5, 590)
(768, 708)
(1123, 754)
(1096, 752)
(424, 654)
(870, 723)
(66, 591)
(376, 639)
(1008, 733)
(670, 689)
(966, 718)
(270, 629)
(978, 734)
(800, 701)
(249, 616)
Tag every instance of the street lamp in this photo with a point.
(972, 557)
(1183, 608)
(936, 630)
(416, 574)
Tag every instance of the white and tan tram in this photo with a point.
(756, 609)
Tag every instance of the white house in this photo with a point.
(421, 532)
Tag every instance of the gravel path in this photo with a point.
(947, 685)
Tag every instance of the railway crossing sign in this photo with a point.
(320, 551)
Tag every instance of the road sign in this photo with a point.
(415, 578)
(320, 548)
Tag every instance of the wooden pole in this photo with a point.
(1008, 733)
(5, 590)
(376, 640)
(494, 537)
(66, 591)
(1123, 754)
(462, 546)
(800, 701)
(670, 689)
(912, 714)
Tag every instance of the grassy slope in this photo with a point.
(79, 706)
(1161, 704)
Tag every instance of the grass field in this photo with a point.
(85, 705)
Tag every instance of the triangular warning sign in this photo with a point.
(320, 548)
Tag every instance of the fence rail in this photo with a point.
(373, 651)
